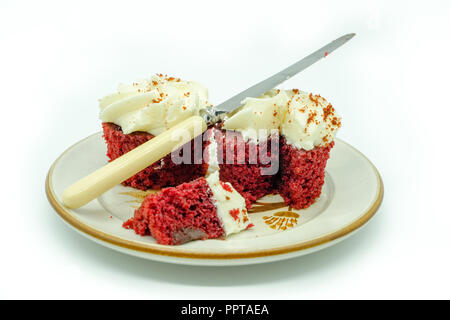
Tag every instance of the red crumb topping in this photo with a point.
(235, 213)
(251, 225)
(326, 53)
(336, 122)
(226, 187)
(311, 117)
(155, 82)
(314, 98)
(295, 91)
(165, 77)
(328, 110)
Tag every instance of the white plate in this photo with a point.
(352, 193)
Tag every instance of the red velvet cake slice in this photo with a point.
(140, 111)
(201, 209)
(307, 124)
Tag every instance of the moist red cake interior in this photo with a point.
(245, 174)
(179, 214)
(302, 174)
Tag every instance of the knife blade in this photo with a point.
(261, 87)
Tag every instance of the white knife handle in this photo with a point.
(127, 165)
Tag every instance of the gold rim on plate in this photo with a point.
(168, 251)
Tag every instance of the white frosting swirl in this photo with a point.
(153, 105)
(304, 119)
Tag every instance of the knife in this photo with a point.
(132, 162)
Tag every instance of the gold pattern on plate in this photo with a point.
(282, 220)
(265, 206)
(138, 196)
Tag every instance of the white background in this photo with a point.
(390, 84)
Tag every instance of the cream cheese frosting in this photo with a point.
(230, 205)
(304, 119)
(153, 105)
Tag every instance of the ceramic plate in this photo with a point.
(352, 193)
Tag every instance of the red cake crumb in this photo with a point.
(226, 187)
(234, 213)
(179, 214)
(128, 224)
(162, 173)
(302, 174)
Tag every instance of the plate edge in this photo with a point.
(131, 245)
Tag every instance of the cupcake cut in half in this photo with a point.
(209, 198)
